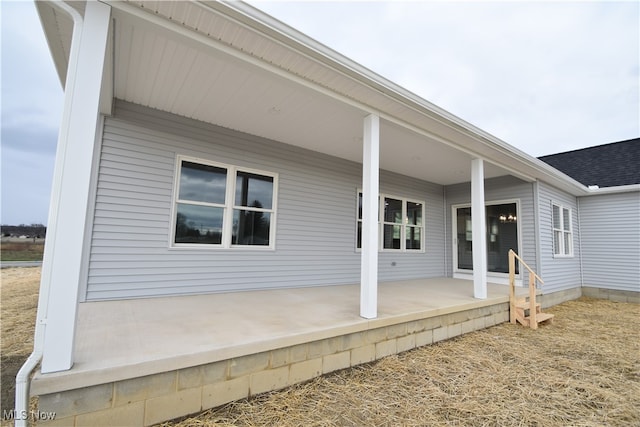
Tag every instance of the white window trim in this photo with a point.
(404, 225)
(563, 232)
(229, 206)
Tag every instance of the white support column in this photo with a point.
(370, 190)
(478, 230)
(63, 257)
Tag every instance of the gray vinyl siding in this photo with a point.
(497, 189)
(558, 272)
(315, 224)
(407, 265)
(610, 240)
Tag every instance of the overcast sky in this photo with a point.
(545, 77)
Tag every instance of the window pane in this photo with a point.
(250, 228)
(414, 213)
(557, 238)
(202, 183)
(254, 190)
(393, 210)
(556, 217)
(566, 219)
(199, 224)
(413, 238)
(359, 205)
(359, 237)
(392, 236)
(567, 243)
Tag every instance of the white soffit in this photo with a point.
(155, 68)
(194, 81)
(228, 62)
(58, 27)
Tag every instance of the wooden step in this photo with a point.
(526, 305)
(541, 317)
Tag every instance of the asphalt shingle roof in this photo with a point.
(607, 165)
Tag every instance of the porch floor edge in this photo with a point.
(119, 340)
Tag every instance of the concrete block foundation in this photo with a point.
(152, 399)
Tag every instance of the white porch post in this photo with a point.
(370, 190)
(63, 255)
(478, 231)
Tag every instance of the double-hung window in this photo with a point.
(223, 206)
(401, 226)
(562, 235)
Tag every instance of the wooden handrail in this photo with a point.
(533, 323)
(511, 251)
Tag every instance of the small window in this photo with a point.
(401, 227)
(205, 215)
(562, 235)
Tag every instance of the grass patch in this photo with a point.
(19, 295)
(21, 251)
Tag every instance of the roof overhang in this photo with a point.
(232, 65)
(633, 188)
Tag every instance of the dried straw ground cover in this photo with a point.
(583, 370)
(18, 303)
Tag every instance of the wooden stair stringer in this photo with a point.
(519, 306)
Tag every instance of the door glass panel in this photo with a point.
(463, 226)
(501, 235)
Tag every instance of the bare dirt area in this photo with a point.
(582, 370)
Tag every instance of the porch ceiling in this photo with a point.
(199, 81)
(230, 65)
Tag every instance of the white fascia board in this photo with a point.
(613, 190)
